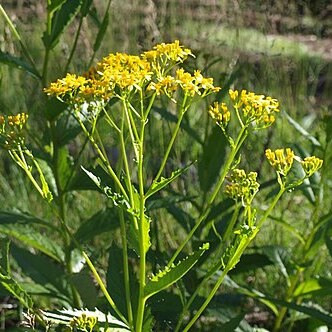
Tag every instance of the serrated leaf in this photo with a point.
(30, 236)
(117, 198)
(169, 276)
(156, 186)
(18, 63)
(60, 20)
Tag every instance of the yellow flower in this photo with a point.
(66, 85)
(163, 52)
(220, 113)
(256, 109)
(242, 186)
(281, 160)
(311, 164)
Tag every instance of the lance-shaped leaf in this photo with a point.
(15, 289)
(170, 275)
(21, 228)
(18, 63)
(60, 20)
(158, 185)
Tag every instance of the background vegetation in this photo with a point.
(278, 48)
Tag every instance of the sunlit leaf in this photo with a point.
(169, 276)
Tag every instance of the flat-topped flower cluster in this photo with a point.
(121, 74)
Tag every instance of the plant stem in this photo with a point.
(241, 137)
(126, 267)
(142, 263)
(103, 288)
(171, 142)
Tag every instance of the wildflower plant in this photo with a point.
(120, 93)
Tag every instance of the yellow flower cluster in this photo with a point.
(163, 53)
(281, 159)
(121, 73)
(311, 164)
(220, 113)
(11, 129)
(242, 186)
(256, 109)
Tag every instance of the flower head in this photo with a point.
(256, 109)
(281, 160)
(11, 128)
(311, 164)
(220, 113)
(242, 186)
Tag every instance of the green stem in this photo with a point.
(103, 288)
(18, 37)
(126, 268)
(142, 263)
(103, 159)
(241, 137)
(73, 49)
(171, 142)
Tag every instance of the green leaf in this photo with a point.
(314, 287)
(42, 270)
(103, 221)
(4, 253)
(169, 276)
(60, 20)
(86, 287)
(156, 186)
(15, 62)
(115, 280)
(301, 130)
(118, 199)
(15, 289)
(53, 108)
(54, 5)
(212, 159)
(328, 236)
(251, 262)
(308, 309)
(101, 32)
(13, 226)
(63, 166)
(81, 182)
(86, 7)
